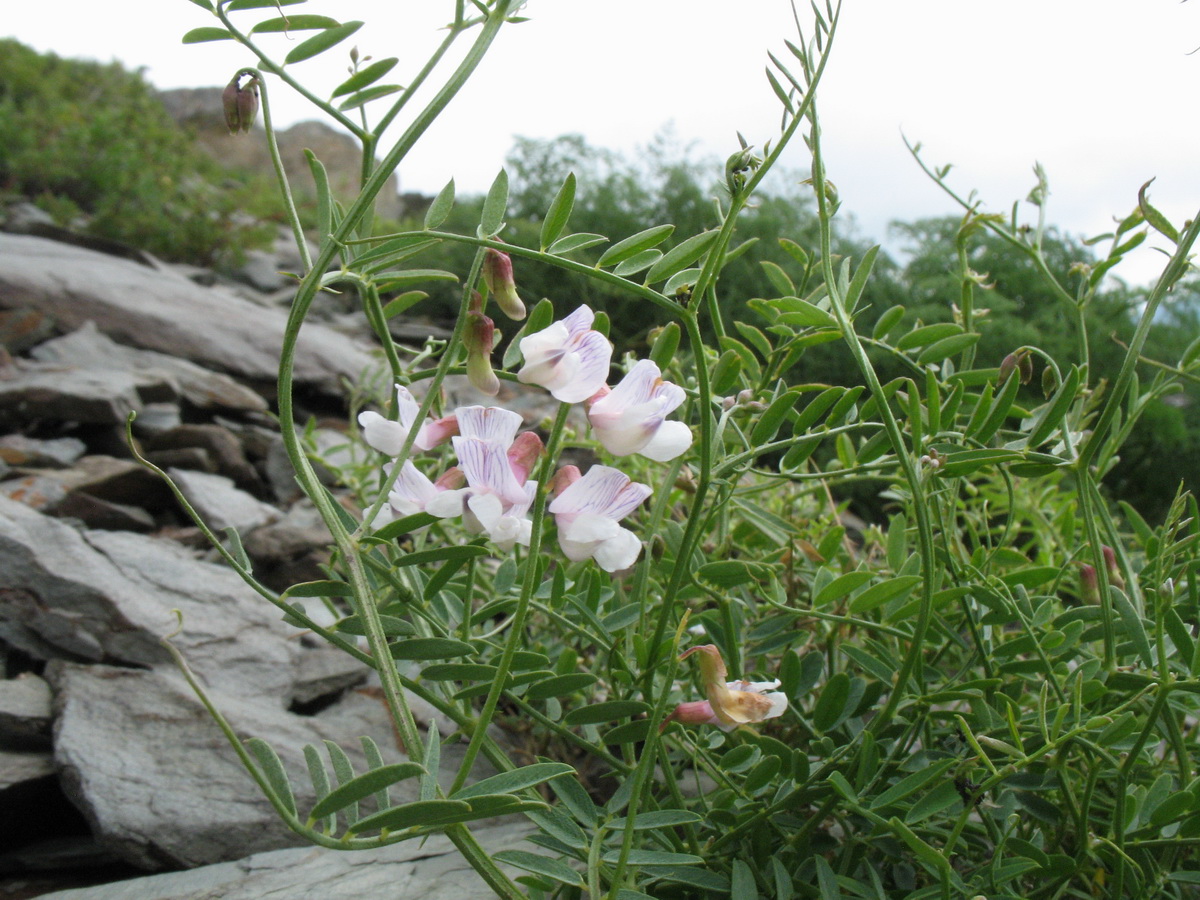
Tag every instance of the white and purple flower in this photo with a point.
(495, 463)
(631, 418)
(388, 436)
(587, 511)
(568, 358)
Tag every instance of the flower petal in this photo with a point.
(447, 504)
(579, 321)
(669, 441)
(486, 465)
(488, 423)
(382, 434)
(589, 528)
(618, 552)
(591, 353)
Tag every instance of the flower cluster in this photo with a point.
(490, 488)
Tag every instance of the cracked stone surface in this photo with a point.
(431, 870)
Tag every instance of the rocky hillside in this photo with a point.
(199, 111)
(109, 765)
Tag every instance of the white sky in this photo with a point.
(1101, 92)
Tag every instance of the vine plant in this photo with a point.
(990, 692)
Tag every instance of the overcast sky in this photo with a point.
(1101, 92)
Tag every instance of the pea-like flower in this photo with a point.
(495, 463)
(568, 358)
(412, 492)
(388, 436)
(631, 418)
(729, 703)
(587, 511)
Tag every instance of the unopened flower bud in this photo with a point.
(524, 453)
(498, 276)
(451, 480)
(240, 103)
(1020, 362)
(1007, 366)
(564, 478)
(1049, 381)
(1089, 584)
(479, 338)
(1114, 571)
(696, 712)
(736, 168)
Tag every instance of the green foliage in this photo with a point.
(92, 139)
(992, 682)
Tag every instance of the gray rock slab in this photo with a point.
(221, 503)
(158, 309)
(32, 391)
(25, 711)
(431, 870)
(20, 766)
(21, 450)
(21, 329)
(87, 348)
(224, 449)
(112, 479)
(261, 270)
(159, 783)
(95, 512)
(109, 596)
(324, 670)
(299, 531)
(34, 491)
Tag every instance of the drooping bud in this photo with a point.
(1089, 584)
(498, 276)
(479, 339)
(240, 103)
(1049, 381)
(1114, 571)
(1020, 362)
(1025, 364)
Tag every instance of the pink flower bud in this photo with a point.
(564, 478)
(479, 337)
(1089, 584)
(1114, 571)
(1020, 362)
(498, 276)
(697, 712)
(524, 453)
(451, 480)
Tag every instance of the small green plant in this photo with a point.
(989, 690)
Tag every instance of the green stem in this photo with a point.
(285, 188)
(517, 629)
(925, 541)
(1176, 268)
